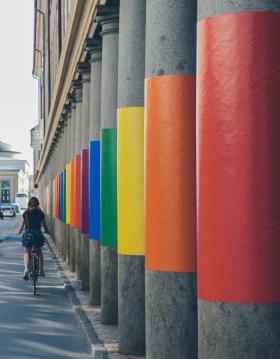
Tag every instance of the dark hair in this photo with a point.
(33, 202)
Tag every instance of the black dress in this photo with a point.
(33, 221)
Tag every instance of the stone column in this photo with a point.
(77, 189)
(95, 49)
(53, 189)
(109, 258)
(72, 197)
(51, 194)
(68, 182)
(131, 274)
(59, 166)
(238, 179)
(84, 69)
(65, 172)
(170, 189)
(62, 174)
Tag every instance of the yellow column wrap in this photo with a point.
(131, 181)
(68, 192)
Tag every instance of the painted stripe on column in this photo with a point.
(64, 195)
(68, 192)
(77, 192)
(131, 181)
(109, 187)
(72, 196)
(94, 191)
(238, 158)
(56, 197)
(53, 198)
(47, 199)
(170, 151)
(61, 196)
(85, 192)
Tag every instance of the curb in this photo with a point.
(96, 345)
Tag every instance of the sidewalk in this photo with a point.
(103, 339)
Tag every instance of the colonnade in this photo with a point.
(156, 171)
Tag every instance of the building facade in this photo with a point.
(14, 176)
(156, 156)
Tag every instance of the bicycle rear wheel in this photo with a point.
(34, 273)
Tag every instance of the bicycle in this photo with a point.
(34, 259)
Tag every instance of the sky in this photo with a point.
(18, 90)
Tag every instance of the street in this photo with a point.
(38, 327)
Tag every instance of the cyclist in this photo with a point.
(32, 219)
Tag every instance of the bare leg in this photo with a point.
(26, 257)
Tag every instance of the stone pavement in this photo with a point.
(105, 336)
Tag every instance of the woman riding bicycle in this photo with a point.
(32, 219)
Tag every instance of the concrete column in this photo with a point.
(57, 168)
(61, 149)
(49, 181)
(95, 49)
(72, 157)
(170, 190)
(238, 179)
(65, 168)
(53, 176)
(109, 258)
(60, 160)
(62, 173)
(68, 184)
(77, 180)
(131, 274)
(84, 69)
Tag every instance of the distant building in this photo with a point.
(14, 175)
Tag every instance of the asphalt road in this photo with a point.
(41, 326)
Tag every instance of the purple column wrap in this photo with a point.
(85, 192)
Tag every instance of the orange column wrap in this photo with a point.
(170, 151)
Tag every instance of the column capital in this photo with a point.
(83, 68)
(108, 17)
(66, 112)
(94, 48)
(77, 90)
(71, 100)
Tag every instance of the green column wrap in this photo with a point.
(109, 187)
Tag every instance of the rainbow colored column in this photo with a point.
(108, 215)
(72, 180)
(238, 179)
(77, 176)
(95, 49)
(170, 204)
(84, 70)
(67, 159)
(131, 272)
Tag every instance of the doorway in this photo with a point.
(5, 192)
